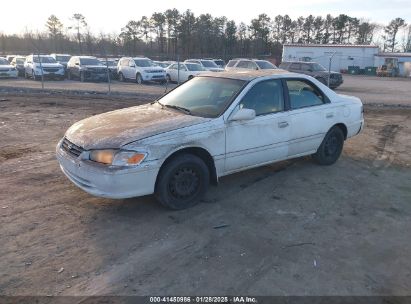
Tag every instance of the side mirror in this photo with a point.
(132, 65)
(243, 114)
(77, 63)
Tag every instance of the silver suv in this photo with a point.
(249, 64)
(140, 69)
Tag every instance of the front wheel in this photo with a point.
(121, 77)
(330, 148)
(139, 79)
(182, 182)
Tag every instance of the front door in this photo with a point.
(263, 139)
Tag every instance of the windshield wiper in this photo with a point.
(181, 109)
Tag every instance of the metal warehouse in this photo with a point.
(343, 55)
(401, 60)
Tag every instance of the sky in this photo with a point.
(110, 17)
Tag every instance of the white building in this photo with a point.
(344, 55)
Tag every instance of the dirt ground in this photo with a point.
(294, 228)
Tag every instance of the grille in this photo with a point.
(155, 71)
(71, 148)
(52, 70)
(336, 76)
(96, 70)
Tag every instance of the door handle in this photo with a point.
(329, 115)
(283, 124)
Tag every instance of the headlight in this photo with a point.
(117, 157)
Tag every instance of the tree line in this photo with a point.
(173, 34)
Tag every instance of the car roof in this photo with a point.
(249, 74)
(296, 61)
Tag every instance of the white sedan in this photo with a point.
(183, 71)
(208, 127)
(7, 70)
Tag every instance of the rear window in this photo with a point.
(231, 63)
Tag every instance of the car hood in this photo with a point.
(114, 129)
(49, 65)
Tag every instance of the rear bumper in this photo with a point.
(103, 181)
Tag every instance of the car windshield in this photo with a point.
(317, 67)
(144, 63)
(90, 61)
(265, 65)
(109, 63)
(219, 62)
(20, 60)
(194, 67)
(63, 58)
(209, 64)
(43, 59)
(203, 96)
(4, 62)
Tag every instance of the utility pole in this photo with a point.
(329, 68)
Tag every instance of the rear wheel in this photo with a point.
(182, 182)
(330, 148)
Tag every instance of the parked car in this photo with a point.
(112, 67)
(63, 59)
(140, 69)
(18, 63)
(6, 69)
(208, 127)
(86, 68)
(187, 71)
(37, 66)
(315, 70)
(209, 65)
(10, 58)
(249, 64)
(219, 62)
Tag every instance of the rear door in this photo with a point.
(311, 116)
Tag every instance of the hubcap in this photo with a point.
(331, 145)
(184, 183)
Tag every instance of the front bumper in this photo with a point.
(154, 77)
(95, 76)
(106, 181)
(48, 74)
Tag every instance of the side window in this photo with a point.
(231, 63)
(183, 67)
(303, 94)
(305, 67)
(252, 65)
(295, 66)
(242, 64)
(264, 97)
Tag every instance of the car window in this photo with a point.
(295, 66)
(265, 97)
(265, 65)
(303, 94)
(306, 67)
(231, 63)
(204, 96)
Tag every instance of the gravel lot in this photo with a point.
(293, 228)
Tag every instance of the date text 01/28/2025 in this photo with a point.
(205, 299)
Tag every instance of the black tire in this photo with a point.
(26, 75)
(182, 182)
(139, 79)
(168, 78)
(69, 77)
(82, 77)
(121, 77)
(33, 75)
(330, 148)
(190, 77)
